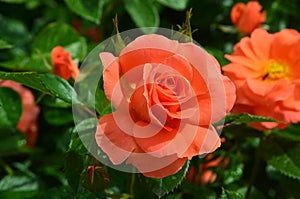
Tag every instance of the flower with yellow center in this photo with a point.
(265, 70)
(275, 70)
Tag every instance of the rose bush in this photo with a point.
(167, 95)
(28, 123)
(264, 68)
(247, 17)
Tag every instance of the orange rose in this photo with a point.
(265, 70)
(29, 117)
(247, 17)
(166, 95)
(64, 66)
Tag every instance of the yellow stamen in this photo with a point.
(275, 70)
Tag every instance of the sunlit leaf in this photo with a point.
(46, 83)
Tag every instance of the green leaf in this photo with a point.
(144, 13)
(102, 104)
(292, 133)
(58, 116)
(83, 139)
(165, 185)
(89, 124)
(18, 183)
(4, 45)
(233, 171)
(10, 107)
(283, 155)
(51, 101)
(73, 168)
(90, 10)
(60, 34)
(11, 142)
(175, 4)
(228, 194)
(35, 63)
(245, 118)
(47, 83)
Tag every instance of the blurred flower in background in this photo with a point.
(205, 173)
(247, 17)
(28, 123)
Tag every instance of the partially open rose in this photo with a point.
(29, 117)
(63, 65)
(166, 96)
(247, 17)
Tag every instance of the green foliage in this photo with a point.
(4, 45)
(165, 185)
(10, 107)
(60, 34)
(37, 62)
(175, 4)
(228, 194)
(144, 13)
(46, 83)
(283, 155)
(73, 172)
(14, 1)
(245, 118)
(249, 164)
(90, 10)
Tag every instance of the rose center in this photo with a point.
(275, 70)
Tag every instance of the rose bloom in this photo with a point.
(28, 121)
(265, 70)
(63, 64)
(247, 17)
(166, 96)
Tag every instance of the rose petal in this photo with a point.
(146, 49)
(206, 140)
(180, 64)
(156, 167)
(261, 42)
(113, 141)
(168, 170)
